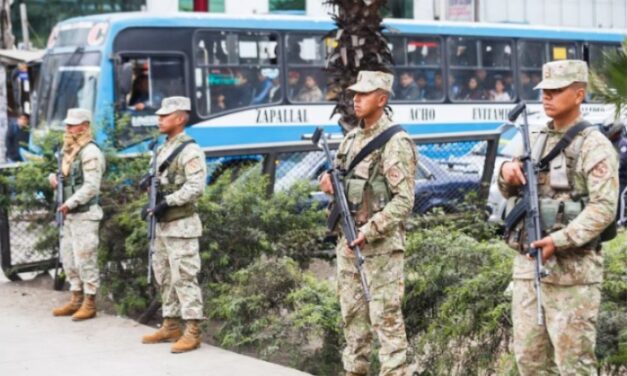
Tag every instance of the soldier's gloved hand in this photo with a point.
(160, 209)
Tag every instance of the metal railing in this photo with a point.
(446, 163)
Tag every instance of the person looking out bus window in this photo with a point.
(421, 83)
(499, 94)
(241, 91)
(473, 91)
(293, 82)
(139, 93)
(261, 92)
(407, 87)
(437, 92)
(310, 91)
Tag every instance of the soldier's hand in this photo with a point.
(52, 179)
(159, 209)
(512, 173)
(547, 246)
(325, 183)
(360, 241)
(64, 209)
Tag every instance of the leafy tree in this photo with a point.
(610, 82)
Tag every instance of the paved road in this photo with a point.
(33, 342)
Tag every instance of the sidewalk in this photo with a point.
(33, 342)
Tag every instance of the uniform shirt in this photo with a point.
(595, 174)
(188, 170)
(93, 163)
(384, 231)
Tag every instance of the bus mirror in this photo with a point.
(125, 78)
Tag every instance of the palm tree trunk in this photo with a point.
(358, 44)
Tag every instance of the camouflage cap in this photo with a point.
(368, 81)
(76, 116)
(171, 104)
(561, 73)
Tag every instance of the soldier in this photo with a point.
(381, 190)
(83, 165)
(176, 262)
(577, 204)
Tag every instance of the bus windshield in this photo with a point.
(67, 81)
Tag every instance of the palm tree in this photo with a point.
(609, 82)
(357, 44)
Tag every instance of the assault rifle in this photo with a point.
(58, 217)
(531, 203)
(347, 222)
(153, 185)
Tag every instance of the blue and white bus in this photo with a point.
(261, 79)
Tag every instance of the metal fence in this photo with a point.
(450, 167)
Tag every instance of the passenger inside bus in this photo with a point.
(473, 91)
(293, 83)
(139, 95)
(407, 88)
(310, 92)
(499, 94)
(437, 92)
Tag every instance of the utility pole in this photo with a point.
(6, 42)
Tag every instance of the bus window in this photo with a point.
(531, 55)
(154, 78)
(420, 79)
(306, 55)
(462, 52)
(244, 72)
(562, 51)
(69, 80)
(423, 51)
(397, 47)
(487, 76)
(217, 48)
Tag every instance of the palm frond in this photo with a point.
(609, 82)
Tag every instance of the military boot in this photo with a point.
(87, 310)
(190, 339)
(353, 374)
(170, 331)
(70, 307)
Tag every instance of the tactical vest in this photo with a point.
(173, 213)
(561, 196)
(366, 196)
(75, 180)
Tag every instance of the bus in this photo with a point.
(261, 79)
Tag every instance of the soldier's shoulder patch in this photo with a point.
(394, 175)
(601, 170)
(193, 165)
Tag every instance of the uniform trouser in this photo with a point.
(176, 264)
(382, 315)
(79, 254)
(565, 344)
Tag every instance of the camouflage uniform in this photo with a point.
(382, 224)
(571, 292)
(79, 246)
(176, 262)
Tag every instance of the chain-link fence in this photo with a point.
(450, 168)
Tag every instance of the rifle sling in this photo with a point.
(166, 164)
(375, 144)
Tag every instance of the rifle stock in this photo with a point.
(341, 211)
(532, 212)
